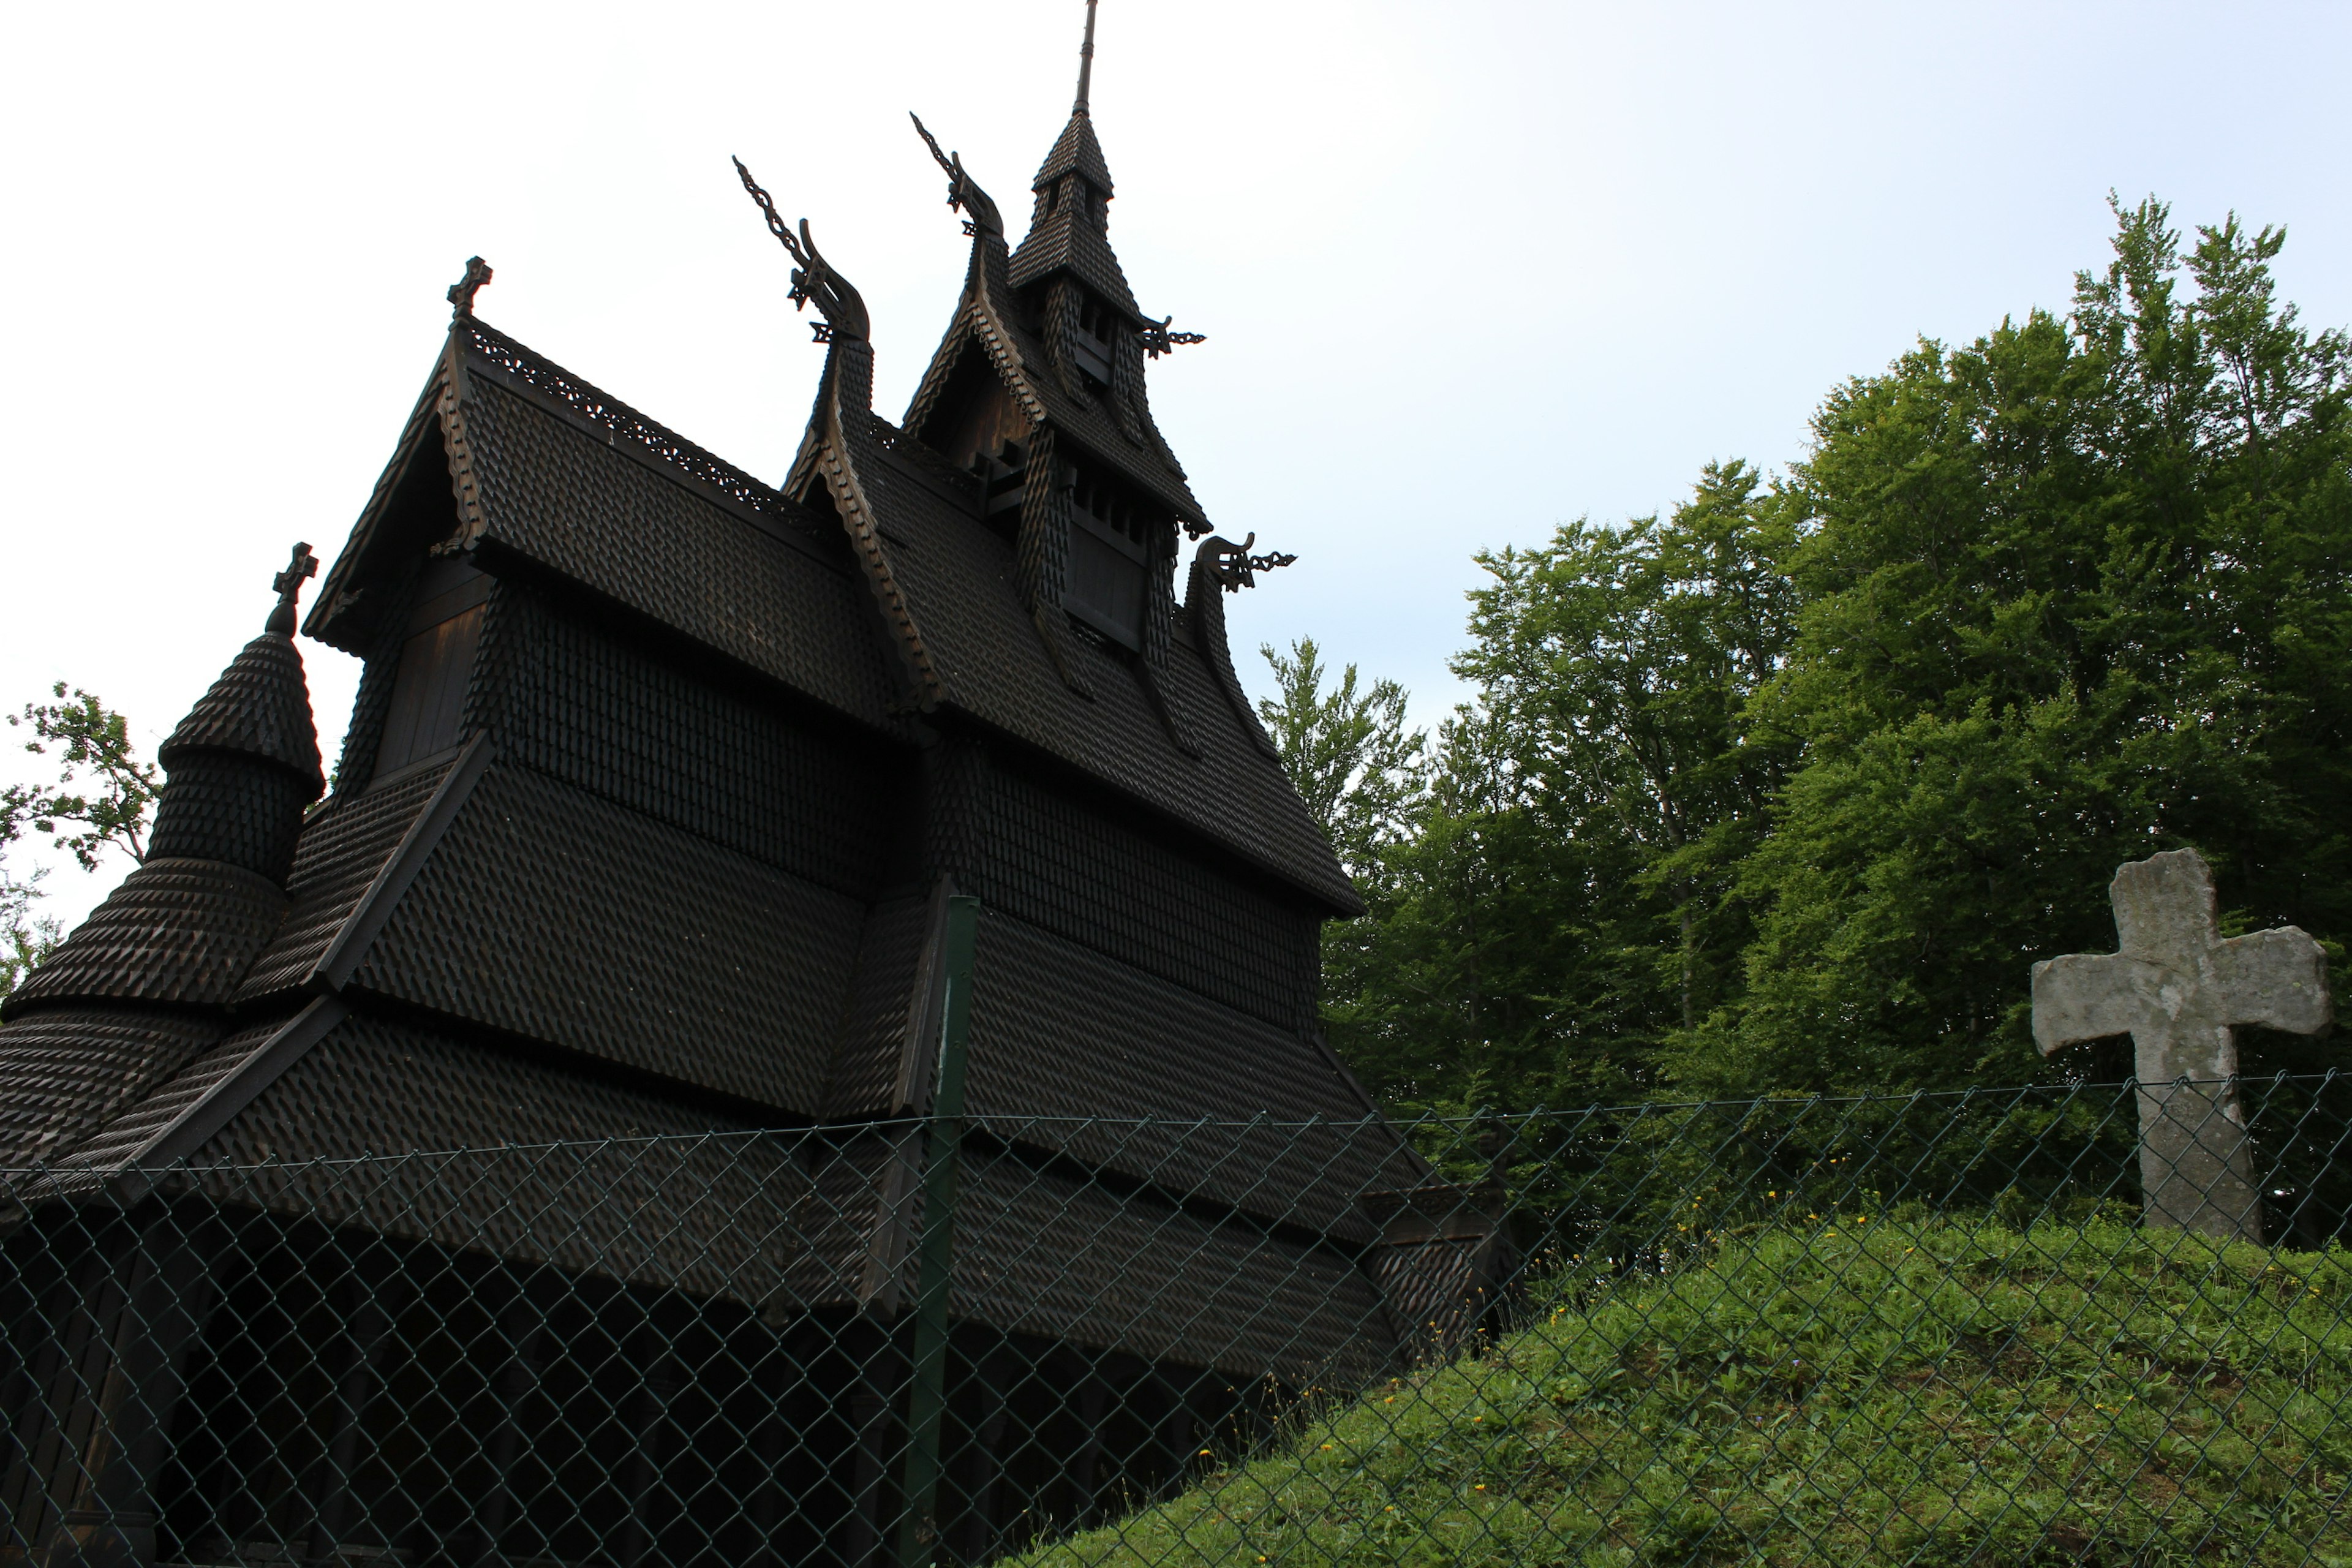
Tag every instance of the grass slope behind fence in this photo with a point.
(1852, 1391)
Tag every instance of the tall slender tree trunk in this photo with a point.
(1687, 956)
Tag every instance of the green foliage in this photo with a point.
(101, 786)
(1560, 907)
(1618, 663)
(1849, 1390)
(102, 783)
(1788, 790)
(27, 936)
(2077, 593)
(1348, 753)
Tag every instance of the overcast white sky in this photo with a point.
(1466, 269)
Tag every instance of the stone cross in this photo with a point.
(2179, 990)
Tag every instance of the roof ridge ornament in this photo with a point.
(1158, 340)
(1234, 566)
(462, 292)
(1086, 65)
(288, 583)
(964, 191)
(837, 299)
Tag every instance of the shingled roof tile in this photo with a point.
(176, 933)
(739, 582)
(1075, 150)
(1039, 1253)
(673, 956)
(656, 1193)
(959, 578)
(346, 846)
(69, 1070)
(1060, 1032)
(260, 706)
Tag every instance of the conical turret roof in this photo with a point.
(260, 706)
(1075, 152)
(1068, 226)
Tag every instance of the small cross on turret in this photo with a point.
(2180, 991)
(288, 585)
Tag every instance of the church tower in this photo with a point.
(1037, 389)
(148, 981)
(660, 784)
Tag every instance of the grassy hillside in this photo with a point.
(1856, 1392)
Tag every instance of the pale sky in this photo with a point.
(1466, 271)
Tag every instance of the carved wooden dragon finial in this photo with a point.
(813, 279)
(964, 193)
(1158, 340)
(1233, 565)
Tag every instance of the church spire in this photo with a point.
(1070, 222)
(1075, 150)
(1085, 62)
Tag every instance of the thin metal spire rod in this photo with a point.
(1085, 62)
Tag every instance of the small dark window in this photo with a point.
(437, 660)
(1090, 344)
(1107, 561)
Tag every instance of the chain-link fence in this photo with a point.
(1937, 1328)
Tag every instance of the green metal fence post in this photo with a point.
(926, 1399)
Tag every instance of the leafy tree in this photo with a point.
(1478, 978)
(102, 783)
(1787, 790)
(1618, 663)
(1558, 906)
(103, 794)
(26, 937)
(2078, 591)
(1348, 752)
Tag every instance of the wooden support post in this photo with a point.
(144, 1303)
(1093, 1407)
(927, 1395)
(371, 1310)
(994, 1380)
(1174, 1431)
(524, 1326)
(650, 1423)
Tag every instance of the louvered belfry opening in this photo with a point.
(425, 710)
(664, 794)
(1113, 540)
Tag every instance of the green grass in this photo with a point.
(1851, 1392)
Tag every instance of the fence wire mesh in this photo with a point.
(1989, 1327)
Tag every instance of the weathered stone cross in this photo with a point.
(2180, 991)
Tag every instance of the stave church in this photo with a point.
(561, 1050)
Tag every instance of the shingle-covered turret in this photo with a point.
(244, 764)
(182, 928)
(145, 984)
(1037, 391)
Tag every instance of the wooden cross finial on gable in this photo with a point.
(288, 584)
(2181, 990)
(462, 292)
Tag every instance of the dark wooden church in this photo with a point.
(658, 782)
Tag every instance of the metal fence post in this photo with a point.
(926, 1399)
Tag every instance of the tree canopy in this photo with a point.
(101, 799)
(1787, 789)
